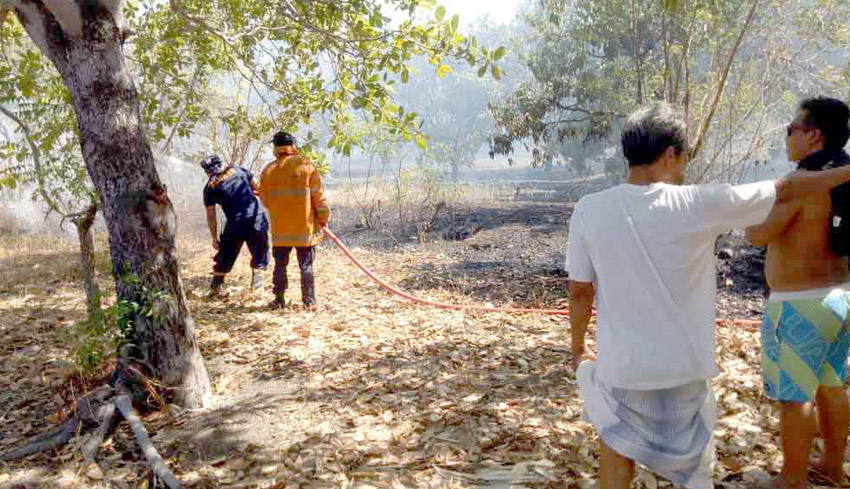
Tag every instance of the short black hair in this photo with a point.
(283, 138)
(830, 116)
(650, 130)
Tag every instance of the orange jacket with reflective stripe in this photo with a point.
(291, 189)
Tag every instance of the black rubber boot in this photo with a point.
(308, 290)
(215, 285)
(279, 302)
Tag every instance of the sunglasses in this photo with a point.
(794, 127)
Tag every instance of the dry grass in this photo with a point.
(39, 260)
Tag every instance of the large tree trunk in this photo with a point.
(84, 40)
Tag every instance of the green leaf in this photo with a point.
(405, 75)
(440, 13)
(421, 142)
(497, 72)
(499, 53)
(443, 70)
(455, 22)
(9, 182)
(482, 70)
(672, 5)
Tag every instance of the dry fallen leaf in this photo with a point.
(94, 472)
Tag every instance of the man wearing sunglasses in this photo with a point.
(804, 336)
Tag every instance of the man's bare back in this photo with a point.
(799, 258)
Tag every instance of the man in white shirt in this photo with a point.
(645, 250)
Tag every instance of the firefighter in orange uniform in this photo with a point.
(291, 190)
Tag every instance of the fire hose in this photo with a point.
(471, 307)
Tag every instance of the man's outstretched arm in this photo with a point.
(780, 217)
(801, 183)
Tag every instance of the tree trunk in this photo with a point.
(88, 53)
(84, 225)
(636, 45)
(667, 86)
(721, 85)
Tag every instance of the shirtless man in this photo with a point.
(804, 344)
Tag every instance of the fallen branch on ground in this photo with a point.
(157, 464)
(100, 411)
(85, 418)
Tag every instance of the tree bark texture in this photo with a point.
(84, 225)
(139, 216)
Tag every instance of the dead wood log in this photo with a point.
(99, 411)
(85, 417)
(51, 440)
(108, 419)
(157, 464)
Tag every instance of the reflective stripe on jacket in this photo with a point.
(291, 189)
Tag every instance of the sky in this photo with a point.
(501, 11)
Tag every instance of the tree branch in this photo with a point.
(638, 67)
(113, 6)
(666, 45)
(157, 464)
(684, 58)
(36, 157)
(68, 15)
(107, 418)
(116, 9)
(33, 19)
(51, 440)
(167, 146)
(722, 84)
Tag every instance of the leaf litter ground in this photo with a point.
(369, 391)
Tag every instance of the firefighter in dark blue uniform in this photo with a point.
(234, 189)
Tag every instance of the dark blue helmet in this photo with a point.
(212, 164)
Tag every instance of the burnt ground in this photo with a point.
(741, 287)
(512, 251)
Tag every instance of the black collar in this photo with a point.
(827, 158)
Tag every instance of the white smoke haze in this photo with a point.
(21, 211)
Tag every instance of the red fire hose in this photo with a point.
(462, 307)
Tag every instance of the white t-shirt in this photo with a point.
(649, 251)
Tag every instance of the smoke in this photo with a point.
(21, 214)
(185, 182)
